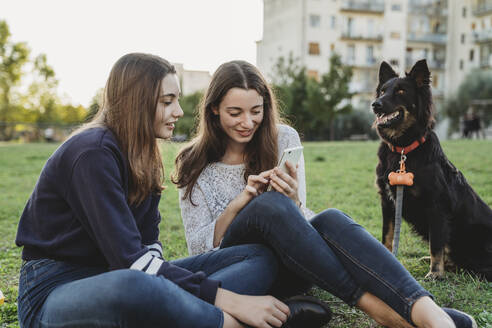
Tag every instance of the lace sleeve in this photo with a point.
(199, 224)
(288, 138)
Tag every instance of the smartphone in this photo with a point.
(293, 155)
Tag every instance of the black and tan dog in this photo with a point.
(441, 206)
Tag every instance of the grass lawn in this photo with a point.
(339, 174)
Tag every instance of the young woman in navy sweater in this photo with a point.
(89, 230)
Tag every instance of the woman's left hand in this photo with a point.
(286, 183)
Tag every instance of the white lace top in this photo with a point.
(219, 184)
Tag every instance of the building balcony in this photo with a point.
(363, 87)
(482, 8)
(431, 10)
(363, 6)
(432, 64)
(371, 63)
(428, 38)
(482, 36)
(485, 63)
(352, 36)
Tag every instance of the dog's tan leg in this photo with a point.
(449, 264)
(388, 237)
(436, 266)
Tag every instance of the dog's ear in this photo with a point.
(420, 73)
(386, 73)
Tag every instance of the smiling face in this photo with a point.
(168, 109)
(397, 103)
(240, 113)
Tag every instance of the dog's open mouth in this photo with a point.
(385, 120)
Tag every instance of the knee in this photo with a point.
(125, 286)
(274, 205)
(331, 221)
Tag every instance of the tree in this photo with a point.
(477, 85)
(313, 105)
(41, 97)
(330, 97)
(290, 84)
(13, 57)
(95, 104)
(189, 104)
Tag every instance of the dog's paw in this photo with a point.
(434, 275)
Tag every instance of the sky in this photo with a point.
(83, 39)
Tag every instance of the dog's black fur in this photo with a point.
(441, 206)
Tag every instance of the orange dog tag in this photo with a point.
(400, 177)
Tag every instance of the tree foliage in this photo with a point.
(13, 57)
(476, 86)
(189, 104)
(313, 105)
(39, 104)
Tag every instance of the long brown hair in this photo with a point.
(128, 110)
(210, 142)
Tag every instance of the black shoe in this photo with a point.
(306, 312)
(461, 319)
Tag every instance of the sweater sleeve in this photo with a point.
(288, 138)
(96, 193)
(198, 221)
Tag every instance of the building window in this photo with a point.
(370, 55)
(332, 47)
(462, 38)
(472, 54)
(434, 80)
(461, 64)
(473, 26)
(395, 35)
(396, 7)
(351, 54)
(313, 74)
(463, 12)
(436, 27)
(315, 20)
(333, 22)
(314, 48)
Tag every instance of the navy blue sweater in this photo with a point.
(79, 212)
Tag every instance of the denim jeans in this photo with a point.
(331, 251)
(60, 294)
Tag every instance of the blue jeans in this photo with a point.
(331, 251)
(60, 294)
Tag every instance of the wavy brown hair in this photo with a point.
(128, 110)
(210, 142)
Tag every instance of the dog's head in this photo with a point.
(403, 106)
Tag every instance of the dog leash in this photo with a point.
(399, 179)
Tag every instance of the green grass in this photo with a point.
(339, 174)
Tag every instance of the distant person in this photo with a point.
(472, 124)
(223, 174)
(92, 256)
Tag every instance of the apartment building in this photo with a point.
(469, 44)
(192, 80)
(454, 36)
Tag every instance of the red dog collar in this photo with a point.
(408, 148)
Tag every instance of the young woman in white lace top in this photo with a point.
(223, 175)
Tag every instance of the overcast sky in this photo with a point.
(83, 39)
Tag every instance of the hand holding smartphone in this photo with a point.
(293, 155)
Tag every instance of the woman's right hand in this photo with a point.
(256, 184)
(256, 311)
